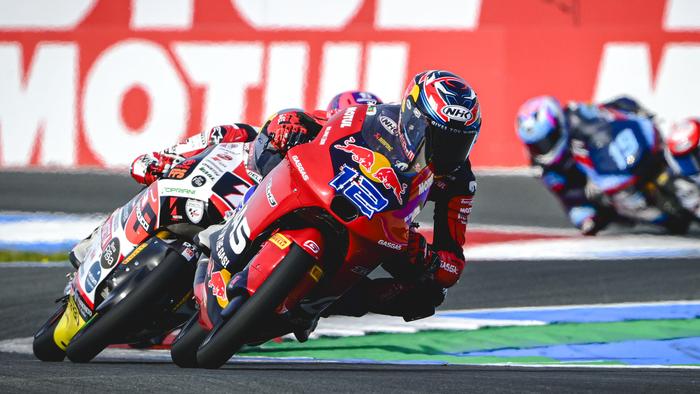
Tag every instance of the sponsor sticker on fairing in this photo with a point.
(110, 255)
(198, 181)
(270, 197)
(188, 251)
(134, 253)
(217, 283)
(316, 273)
(106, 231)
(300, 167)
(348, 117)
(280, 241)
(324, 137)
(388, 244)
(389, 124)
(93, 276)
(83, 309)
(179, 190)
(312, 246)
(254, 176)
(194, 209)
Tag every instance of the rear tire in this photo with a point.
(95, 336)
(677, 225)
(226, 338)
(44, 346)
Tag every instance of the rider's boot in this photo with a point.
(302, 334)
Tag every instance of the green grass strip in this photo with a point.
(14, 255)
(445, 345)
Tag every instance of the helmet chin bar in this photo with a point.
(553, 155)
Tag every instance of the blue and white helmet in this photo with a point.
(541, 127)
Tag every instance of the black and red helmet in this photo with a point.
(443, 107)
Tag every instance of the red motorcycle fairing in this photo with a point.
(302, 193)
(222, 287)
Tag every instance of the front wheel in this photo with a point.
(130, 312)
(229, 336)
(184, 349)
(44, 345)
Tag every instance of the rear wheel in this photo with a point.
(679, 219)
(226, 338)
(44, 345)
(677, 225)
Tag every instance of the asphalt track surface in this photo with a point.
(27, 294)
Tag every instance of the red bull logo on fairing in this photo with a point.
(217, 283)
(375, 166)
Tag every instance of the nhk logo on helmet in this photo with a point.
(457, 112)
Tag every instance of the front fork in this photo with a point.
(215, 285)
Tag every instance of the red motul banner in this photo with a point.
(97, 82)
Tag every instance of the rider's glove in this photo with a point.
(440, 267)
(414, 264)
(448, 268)
(418, 251)
(150, 167)
(286, 130)
(591, 219)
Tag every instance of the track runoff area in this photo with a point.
(535, 293)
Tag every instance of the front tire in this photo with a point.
(97, 334)
(44, 345)
(184, 349)
(226, 338)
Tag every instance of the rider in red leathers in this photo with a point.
(448, 109)
(440, 117)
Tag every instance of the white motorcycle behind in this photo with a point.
(135, 281)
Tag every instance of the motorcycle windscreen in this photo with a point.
(404, 147)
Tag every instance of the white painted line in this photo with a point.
(35, 264)
(514, 229)
(49, 229)
(24, 346)
(372, 323)
(576, 306)
(507, 171)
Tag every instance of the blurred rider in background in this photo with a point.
(544, 126)
(683, 149)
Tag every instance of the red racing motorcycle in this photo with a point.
(324, 218)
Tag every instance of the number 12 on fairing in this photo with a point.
(359, 190)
